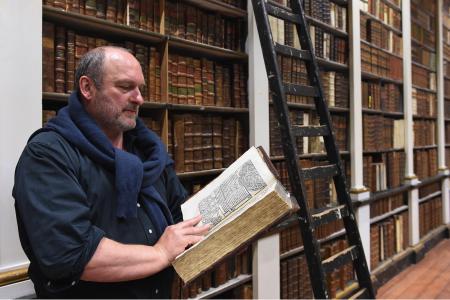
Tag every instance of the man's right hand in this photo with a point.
(176, 238)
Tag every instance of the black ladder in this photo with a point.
(344, 210)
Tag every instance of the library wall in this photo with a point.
(203, 98)
(20, 83)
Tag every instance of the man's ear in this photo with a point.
(87, 88)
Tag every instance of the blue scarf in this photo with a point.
(133, 178)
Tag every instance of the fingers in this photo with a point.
(197, 230)
(191, 222)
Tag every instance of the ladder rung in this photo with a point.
(320, 171)
(314, 130)
(339, 259)
(359, 294)
(329, 215)
(300, 90)
(282, 13)
(292, 52)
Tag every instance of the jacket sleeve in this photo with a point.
(54, 212)
(176, 194)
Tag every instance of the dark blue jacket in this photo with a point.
(65, 204)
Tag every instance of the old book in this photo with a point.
(242, 202)
(48, 57)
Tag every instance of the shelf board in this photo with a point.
(197, 174)
(100, 26)
(419, 44)
(327, 27)
(393, 5)
(334, 109)
(230, 284)
(390, 27)
(340, 2)
(447, 145)
(201, 108)
(425, 147)
(383, 150)
(382, 49)
(309, 155)
(300, 249)
(416, 117)
(61, 99)
(391, 213)
(381, 112)
(204, 49)
(430, 180)
(220, 7)
(423, 67)
(375, 196)
(423, 89)
(327, 64)
(430, 196)
(370, 76)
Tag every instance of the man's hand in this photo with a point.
(178, 237)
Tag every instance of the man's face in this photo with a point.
(115, 105)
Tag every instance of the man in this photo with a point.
(96, 194)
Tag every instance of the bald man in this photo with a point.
(97, 199)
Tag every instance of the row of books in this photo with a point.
(326, 45)
(446, 62)
(388, 237)
(425, 163)
(424, 132)
(230, 268)
(382, 96)
(422, 25)
(382, 133)
(429, 189)
(424, 57)
(319, 192)
(423, 103)
(328, 12)
(383, 12)
(142, 14)
(295, 283)
(430, 215)
(385, 205)
(446, 87)
(378, 35)
(335, 84)
(336, 88)
(379, 62)
(203, 142)
(423, 78)
(205, 82)
(192, 23)
(423, 12)
(62, 49)
(383, 171)
(447, 131)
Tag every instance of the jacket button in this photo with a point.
(150, 231)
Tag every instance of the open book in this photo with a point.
(242, 202)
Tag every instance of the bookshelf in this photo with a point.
(195, 66)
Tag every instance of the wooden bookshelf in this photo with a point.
(163, 110)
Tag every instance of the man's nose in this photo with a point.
(137, 97)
